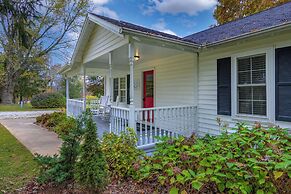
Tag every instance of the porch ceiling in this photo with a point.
(120, 61)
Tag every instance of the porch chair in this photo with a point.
(101, 107)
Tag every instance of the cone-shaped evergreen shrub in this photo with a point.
(60, 168)
(91, 166)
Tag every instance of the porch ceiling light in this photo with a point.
(136, 57)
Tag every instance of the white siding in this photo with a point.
(207, 104)
(175, 80)
(101, 41)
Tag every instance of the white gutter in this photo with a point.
(181, 42)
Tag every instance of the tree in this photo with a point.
(75, 87)
(29, 83)
(95, 85)
(91, 167)
(28, 35)
(229, 10)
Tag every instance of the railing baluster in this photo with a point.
(140, 127)
(146, 127)
(151, 126)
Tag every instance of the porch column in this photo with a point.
(84, 88)
(131, 105)
(110, 78)
(67, 96)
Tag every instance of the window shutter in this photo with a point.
(283, 84)
(224, 86)
(115, 89)
(128, 89)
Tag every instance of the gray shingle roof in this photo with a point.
(139, 28)
(257, 22)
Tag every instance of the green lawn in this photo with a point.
(17, 166)
(16, 107)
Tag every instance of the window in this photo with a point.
(251, 86)
(115, 88)
(119, 89)
(122, 89)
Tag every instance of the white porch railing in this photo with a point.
(155, 122)
(118, 119)
(75, 107)
(164, 121)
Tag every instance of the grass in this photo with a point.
(16, 107)
(17, 165)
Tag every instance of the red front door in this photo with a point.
(148, 89)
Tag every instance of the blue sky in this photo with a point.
(180, 17)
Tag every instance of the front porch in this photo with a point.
(149, 123)
(151, 83)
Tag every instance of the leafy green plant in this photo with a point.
(57, 122)
(48, 100)
(121, 153)
(55, 119)
(253, 160)
(91, 166)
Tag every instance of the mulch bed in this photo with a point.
(115, 187)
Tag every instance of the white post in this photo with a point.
(84, 88)
(67, 96)
(110, 78)
(131, 105)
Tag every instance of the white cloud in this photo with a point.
(100, 2)
(105, 11)
(101, 9)
(162, 27)
(190, 7)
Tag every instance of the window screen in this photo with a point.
(252, 85)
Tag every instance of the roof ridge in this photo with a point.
(237, 19)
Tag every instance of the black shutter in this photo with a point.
(128, 89)
(283, 84)
(224, 86)
(115, 89)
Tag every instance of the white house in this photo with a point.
(168, 85)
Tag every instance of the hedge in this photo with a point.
(48, 100)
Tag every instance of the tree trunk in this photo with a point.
(7, 94)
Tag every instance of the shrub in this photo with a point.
(91, 167)
(121, 153)
(59, 169)
(64, 127)
(249, 161)
(57, 122)
(42, 119)
(55, 119)
(48, 100)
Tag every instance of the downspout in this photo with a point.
(196, 125)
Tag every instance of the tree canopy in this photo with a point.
(229, 10)
(33, 30)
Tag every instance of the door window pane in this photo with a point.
(149, 85)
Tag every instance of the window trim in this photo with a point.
(270, 84)
(119, 89)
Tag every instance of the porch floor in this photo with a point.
(102, 125)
